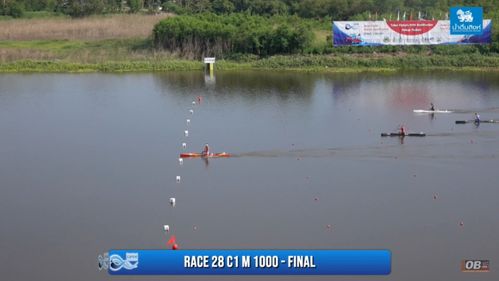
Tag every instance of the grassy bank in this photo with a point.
(310, 63)
(122, 43)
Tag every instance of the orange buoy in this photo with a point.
(175, 246)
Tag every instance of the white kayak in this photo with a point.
(432, 111)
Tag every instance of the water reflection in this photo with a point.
(248, 84)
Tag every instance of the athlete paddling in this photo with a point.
(402, 130)
(477, 118)
(206, 151)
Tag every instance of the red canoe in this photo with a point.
(198, 155)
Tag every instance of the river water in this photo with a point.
(88, 163)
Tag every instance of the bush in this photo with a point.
(173, 8)
(215, 35)
(13, 9)
(77, 8)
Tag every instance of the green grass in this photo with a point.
(291, 63)
(44, 45)
(136, 55)
(42, 15)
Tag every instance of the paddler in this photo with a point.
(477, 118)
(206, 150)
(402, 130)
(432, 107)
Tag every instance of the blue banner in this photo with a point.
(249, 262)
(466, 20)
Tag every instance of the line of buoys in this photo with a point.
(172, 200)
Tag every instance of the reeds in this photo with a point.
(90, 28)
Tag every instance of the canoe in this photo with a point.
(473, 121)
(432, 111)
(421, 134)
(199, 155)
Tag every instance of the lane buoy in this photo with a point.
(181, 161)
(184, 145)
(173, 202)
(166, 228)
(177, 179)
(461, 223)
(193, 103)
(175, 246)
(188, 121)
(191, 111)
(186, 133)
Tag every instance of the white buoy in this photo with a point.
(191, 111)
(181, 161)
(184, 145)
(172, 202)
(178, 179)
(186, 133)
(188, 121)
(193, 103)
(166, 228)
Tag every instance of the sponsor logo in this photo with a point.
(475, 265)
(466, 20)
(131, 261)
(103, 261)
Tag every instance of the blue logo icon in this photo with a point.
(466, 20)
(131, 261)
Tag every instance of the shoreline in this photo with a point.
(269, 64)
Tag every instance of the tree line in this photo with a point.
(335, 9)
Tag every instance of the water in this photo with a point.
(89, 162)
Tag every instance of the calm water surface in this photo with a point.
(88, 163)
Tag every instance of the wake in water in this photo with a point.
(471, 111)
(485, 148)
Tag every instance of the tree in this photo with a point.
(80, 8)
(135, 5)
(223, 6)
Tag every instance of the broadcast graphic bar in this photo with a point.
(249, 262)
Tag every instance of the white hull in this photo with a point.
(431, 111)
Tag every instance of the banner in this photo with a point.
(414, 32)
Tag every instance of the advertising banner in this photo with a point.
(413, 32)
